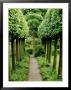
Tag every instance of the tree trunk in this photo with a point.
(60, 59)
(13, 56)
(10, 71)
(22, 48)
(33, 44)
(50, 52)
(45, 47)
(19, 52)
(17, 57)
(46, 51)
(55, 54)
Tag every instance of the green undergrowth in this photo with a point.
(46, 70)
(21, 72)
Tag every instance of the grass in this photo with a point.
(46, 71)
(21, 72)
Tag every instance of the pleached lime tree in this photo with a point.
(51, 29)
(44, 31)
(23, 34)
(13, 31)
(18, 30)
(56, 22)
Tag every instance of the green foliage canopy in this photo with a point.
(17, 24)
(33, 22)
(36, 10)
(34, 16)
(51, 25)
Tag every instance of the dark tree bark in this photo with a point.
(10, 71)
(55, 53)
(13, 56)
(60, 59)
(46, 55)
(17, 47)
(45, 47)
(33, 44)
(50, 52)
(19, 51)
(21, 48)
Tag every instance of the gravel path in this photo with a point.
(34, 73)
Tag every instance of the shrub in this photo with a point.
(30, 50)
(39, 50)
(41, 61)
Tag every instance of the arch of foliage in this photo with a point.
(51, 29)
(37, 11)
(33, 20)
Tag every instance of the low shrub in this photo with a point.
(39, 50)
(29, 50)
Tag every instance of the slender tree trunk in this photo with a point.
(55, 54)
(13, 56)
(46, 51)
(33, 44)
(10, 71)
(45, 47)
(48, 48)
(19, 52)
(17, 49)
(22, 48)
(50, 52)
(60, 59)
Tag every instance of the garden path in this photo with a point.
(34, 73)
